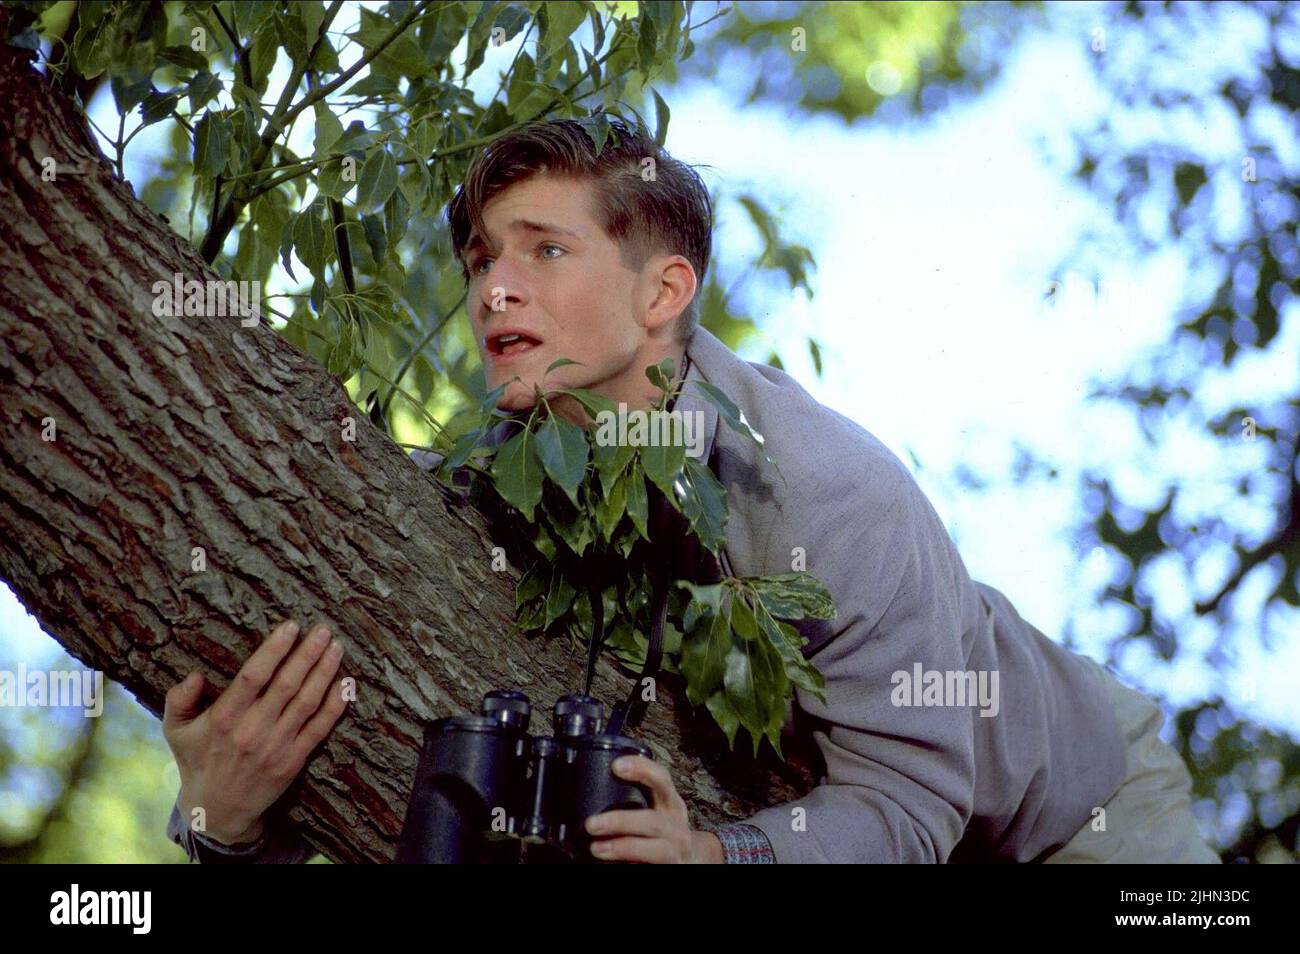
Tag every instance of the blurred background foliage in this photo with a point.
(361, 275)
(1228, 195)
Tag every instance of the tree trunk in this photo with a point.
(175, 433)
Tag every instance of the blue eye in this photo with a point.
(556, 247)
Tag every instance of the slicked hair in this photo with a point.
(648, 208)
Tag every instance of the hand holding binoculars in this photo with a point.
(487, 792)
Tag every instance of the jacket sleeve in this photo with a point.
(281, 843)
(900, 779)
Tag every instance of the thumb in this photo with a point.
(182, 703)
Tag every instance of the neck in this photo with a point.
(632, 387)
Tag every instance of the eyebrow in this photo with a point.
(523, 225)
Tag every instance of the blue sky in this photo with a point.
(935, 244)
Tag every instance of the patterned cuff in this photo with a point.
(744, 844)
(248, 849)
(198, 847)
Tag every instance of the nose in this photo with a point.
(501, 287)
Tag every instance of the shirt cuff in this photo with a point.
(198, 847)
(248, 849)
(745, 845)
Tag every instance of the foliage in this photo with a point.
(579, 508)
(1226, 529)
(311, 146)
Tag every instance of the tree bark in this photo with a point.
(171, 433)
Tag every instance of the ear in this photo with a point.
(670, 286)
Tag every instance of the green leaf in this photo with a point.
(157, 106)
(462, 450)
(329, 130)
(559, 598)
(562, 448)
(512, 19)
(286, 245)
(755, 684)
(534, 617)
(318, 294)
(638, 504)
(311, 240)
(779, 605)
(202, 89)
(647, 40)
(663, 464)
(561, 20)
(373, 226)
(732, 415)
(787, 641)
(569, 521)
(340, 355)
(356, 139)
(661, 374)
(661, 119)
(212, 144)
(128, 96)
(517, 473)
(426, 138)
(93, 48)
(725, 716)
(803, 589)
(705, 505)
(1188, 179)
(597, 128)
(815, 350)
(559, 363)
(378, 180)
(312, 15)
(531, 586)
(611, 507)
(593, 401)
(521, 84)
(706, 599)
(610, 460)
(396, 212)
(743, 621)
(545, 543)
(330, 181)
(184, 57)
(704, 658)
(262, 53)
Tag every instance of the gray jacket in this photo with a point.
(919, 767)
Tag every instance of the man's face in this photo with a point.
(551, 275)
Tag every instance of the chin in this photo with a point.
(517, 397)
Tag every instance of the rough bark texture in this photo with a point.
(175, 433)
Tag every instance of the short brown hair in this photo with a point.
(670, 212)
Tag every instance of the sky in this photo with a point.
(935, 245)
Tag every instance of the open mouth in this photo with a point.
(510, 343)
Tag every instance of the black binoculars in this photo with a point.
(487, 792)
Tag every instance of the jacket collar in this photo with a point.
(707, 356)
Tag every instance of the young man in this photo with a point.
(952, 729)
